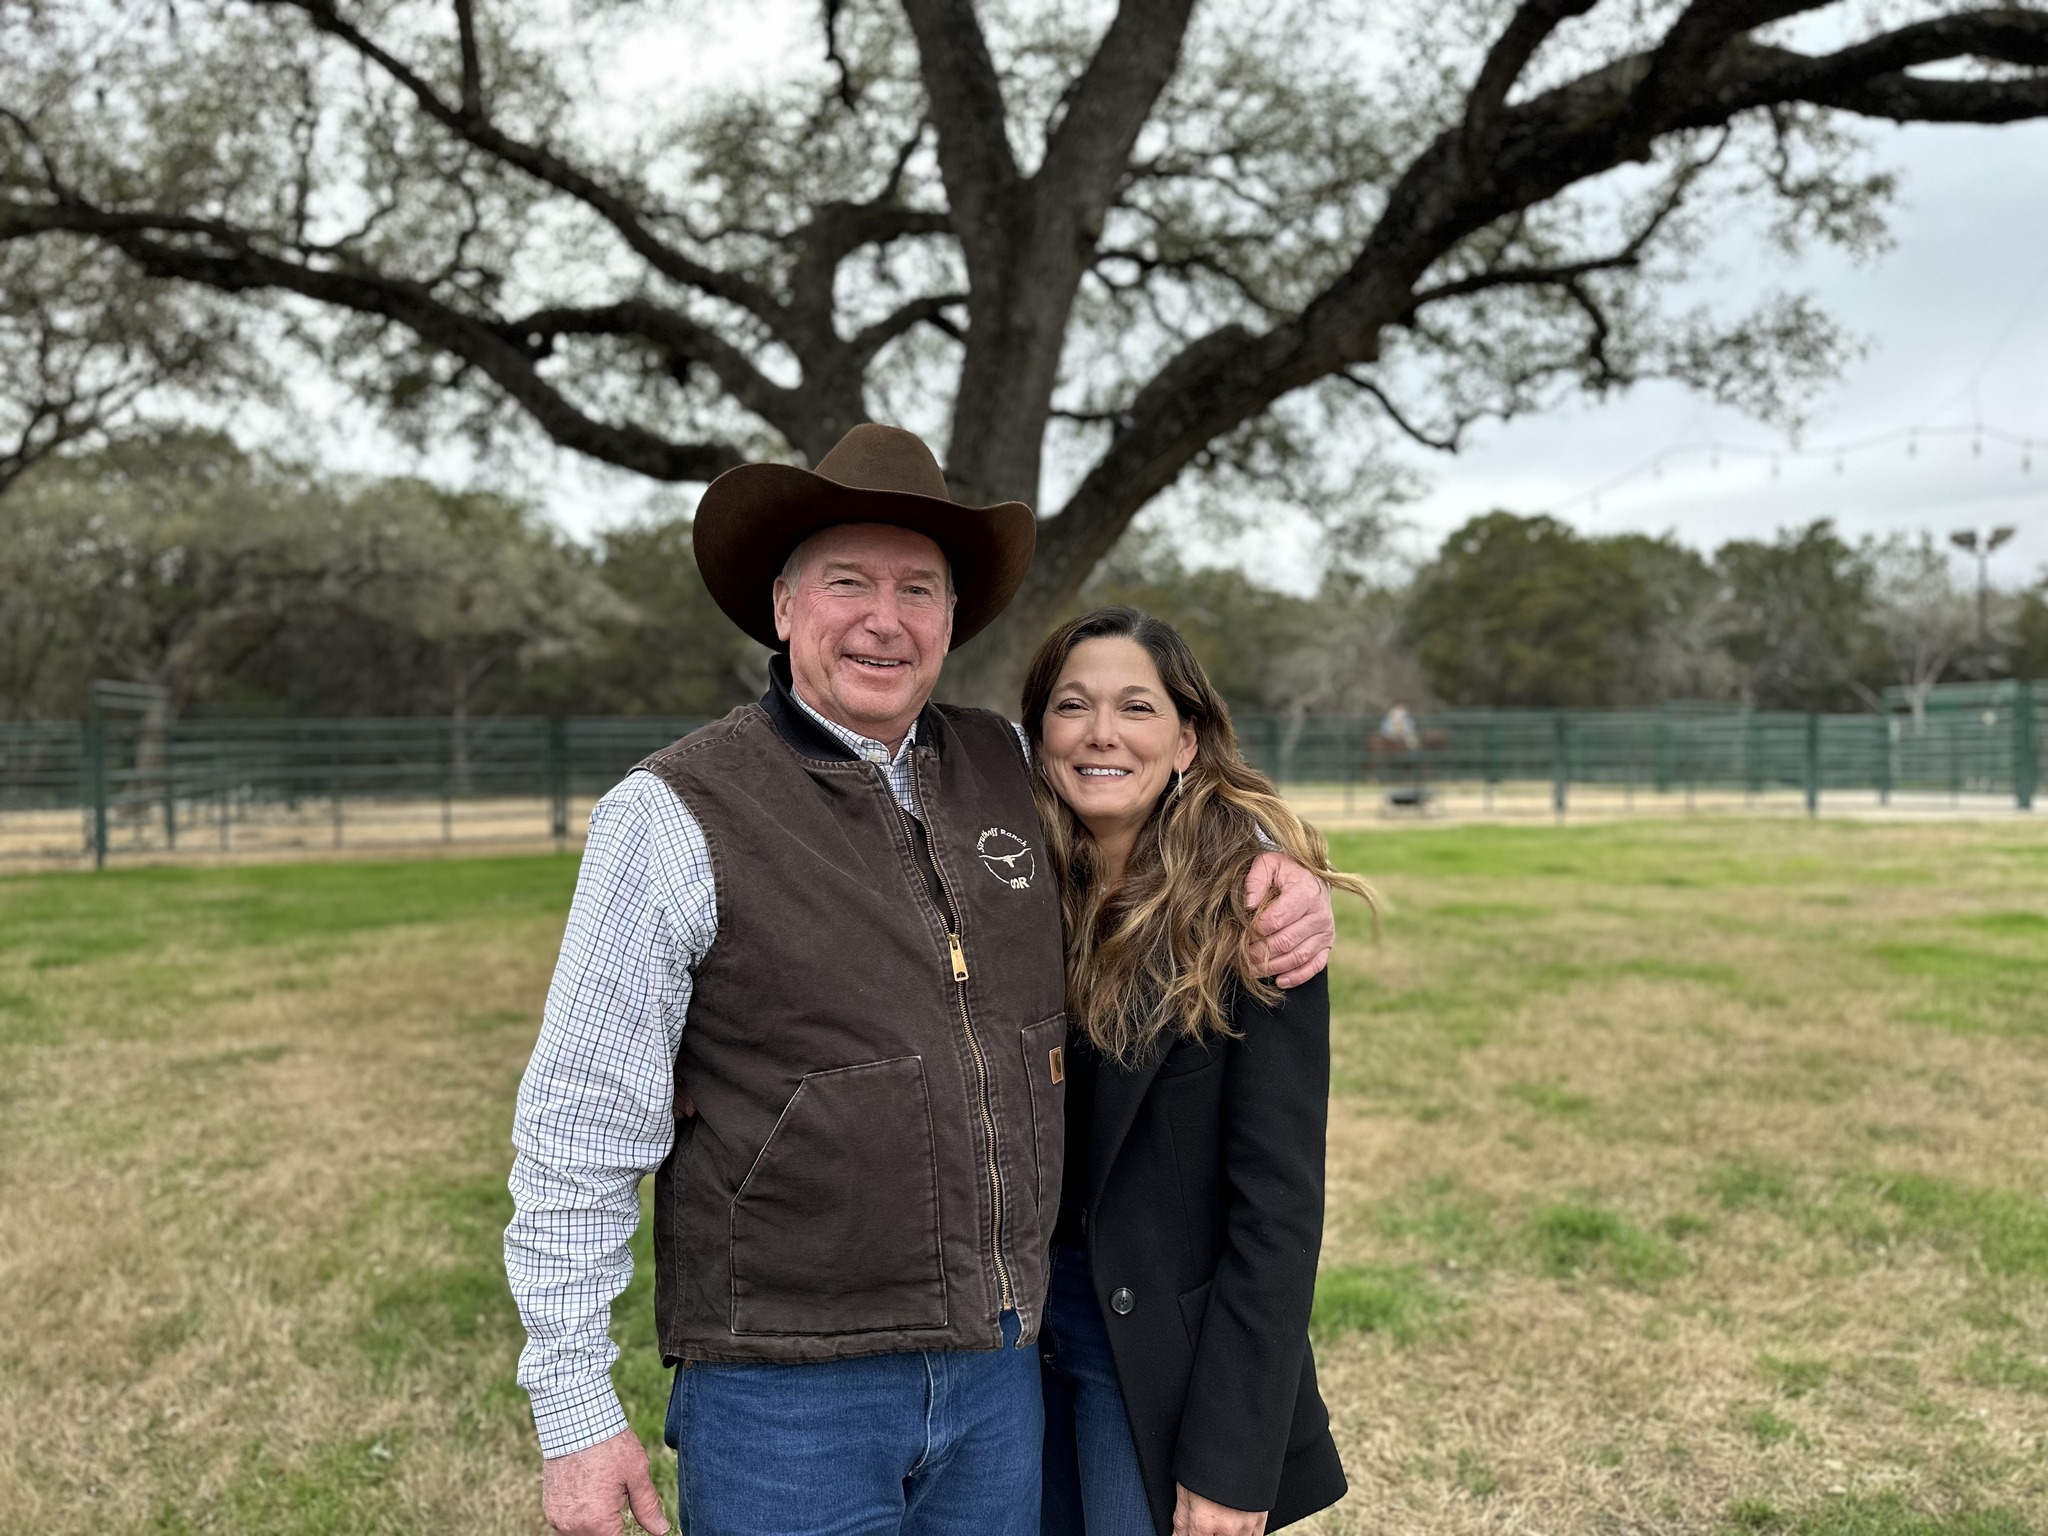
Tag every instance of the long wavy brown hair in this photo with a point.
(1163, 952)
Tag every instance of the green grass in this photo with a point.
(1396, 1301)
(1686, 1169)
(56, 922)
(1574, 1239)
(1794, 1378)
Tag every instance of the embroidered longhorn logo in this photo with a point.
(1008, 857)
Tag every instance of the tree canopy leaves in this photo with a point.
(1095, 250)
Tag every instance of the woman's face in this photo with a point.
(1111, 738)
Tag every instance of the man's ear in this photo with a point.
(785, 597)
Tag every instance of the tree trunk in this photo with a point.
(989, 670)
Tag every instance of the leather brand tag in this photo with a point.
(1058, 1057)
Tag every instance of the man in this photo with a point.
(813, 975)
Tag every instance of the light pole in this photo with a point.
(1981, 546)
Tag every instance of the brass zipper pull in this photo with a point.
(959, 956)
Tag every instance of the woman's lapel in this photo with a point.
(1119, 1091)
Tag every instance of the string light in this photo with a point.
(1838, 454)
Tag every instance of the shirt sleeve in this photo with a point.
(596, 1109)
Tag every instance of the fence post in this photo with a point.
(96, 778)
(1812, 762)
(170, 786)
(1662, 750)
(2026, 747)
(1884, 759)
(558, 779)
(1490, 766)
(1560, 763)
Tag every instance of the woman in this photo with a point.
(1180, 1394)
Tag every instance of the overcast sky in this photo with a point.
(1955, 318)
(1956, 321)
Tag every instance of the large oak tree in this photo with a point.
(1093, 249)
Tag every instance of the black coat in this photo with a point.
(1205, 1218)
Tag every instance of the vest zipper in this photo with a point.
(988, 1118)
(958, 956)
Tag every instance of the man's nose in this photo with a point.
(885, 615)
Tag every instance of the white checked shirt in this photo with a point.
(597, 1104)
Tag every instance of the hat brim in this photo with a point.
(752, 516)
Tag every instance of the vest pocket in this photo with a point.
(1045, 1069)
(836, 1228)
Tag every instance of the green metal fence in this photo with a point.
(1968, 739)
(129, 779)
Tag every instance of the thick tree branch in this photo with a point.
(967, 108)
(682, 341)
(1678, 67)
(472, 63)
(1529, 28)
(1086, 157)
(220, 257)
(1499, 274)
(1870, 78)
(836, 231)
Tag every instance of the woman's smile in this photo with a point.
(1111, 739)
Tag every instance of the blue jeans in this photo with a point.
(927, 1444)
(1092, 1481)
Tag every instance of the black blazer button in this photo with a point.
(1121, 1301)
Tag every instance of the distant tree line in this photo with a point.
(243, 585)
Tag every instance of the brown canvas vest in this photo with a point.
(871, 1048)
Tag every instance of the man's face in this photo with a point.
(868, 620)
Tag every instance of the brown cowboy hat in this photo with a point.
(753, 516)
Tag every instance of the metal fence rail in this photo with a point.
(130, 780)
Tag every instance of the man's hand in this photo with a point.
(1297, 929)
(582, 1493)
(1194, 1515)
